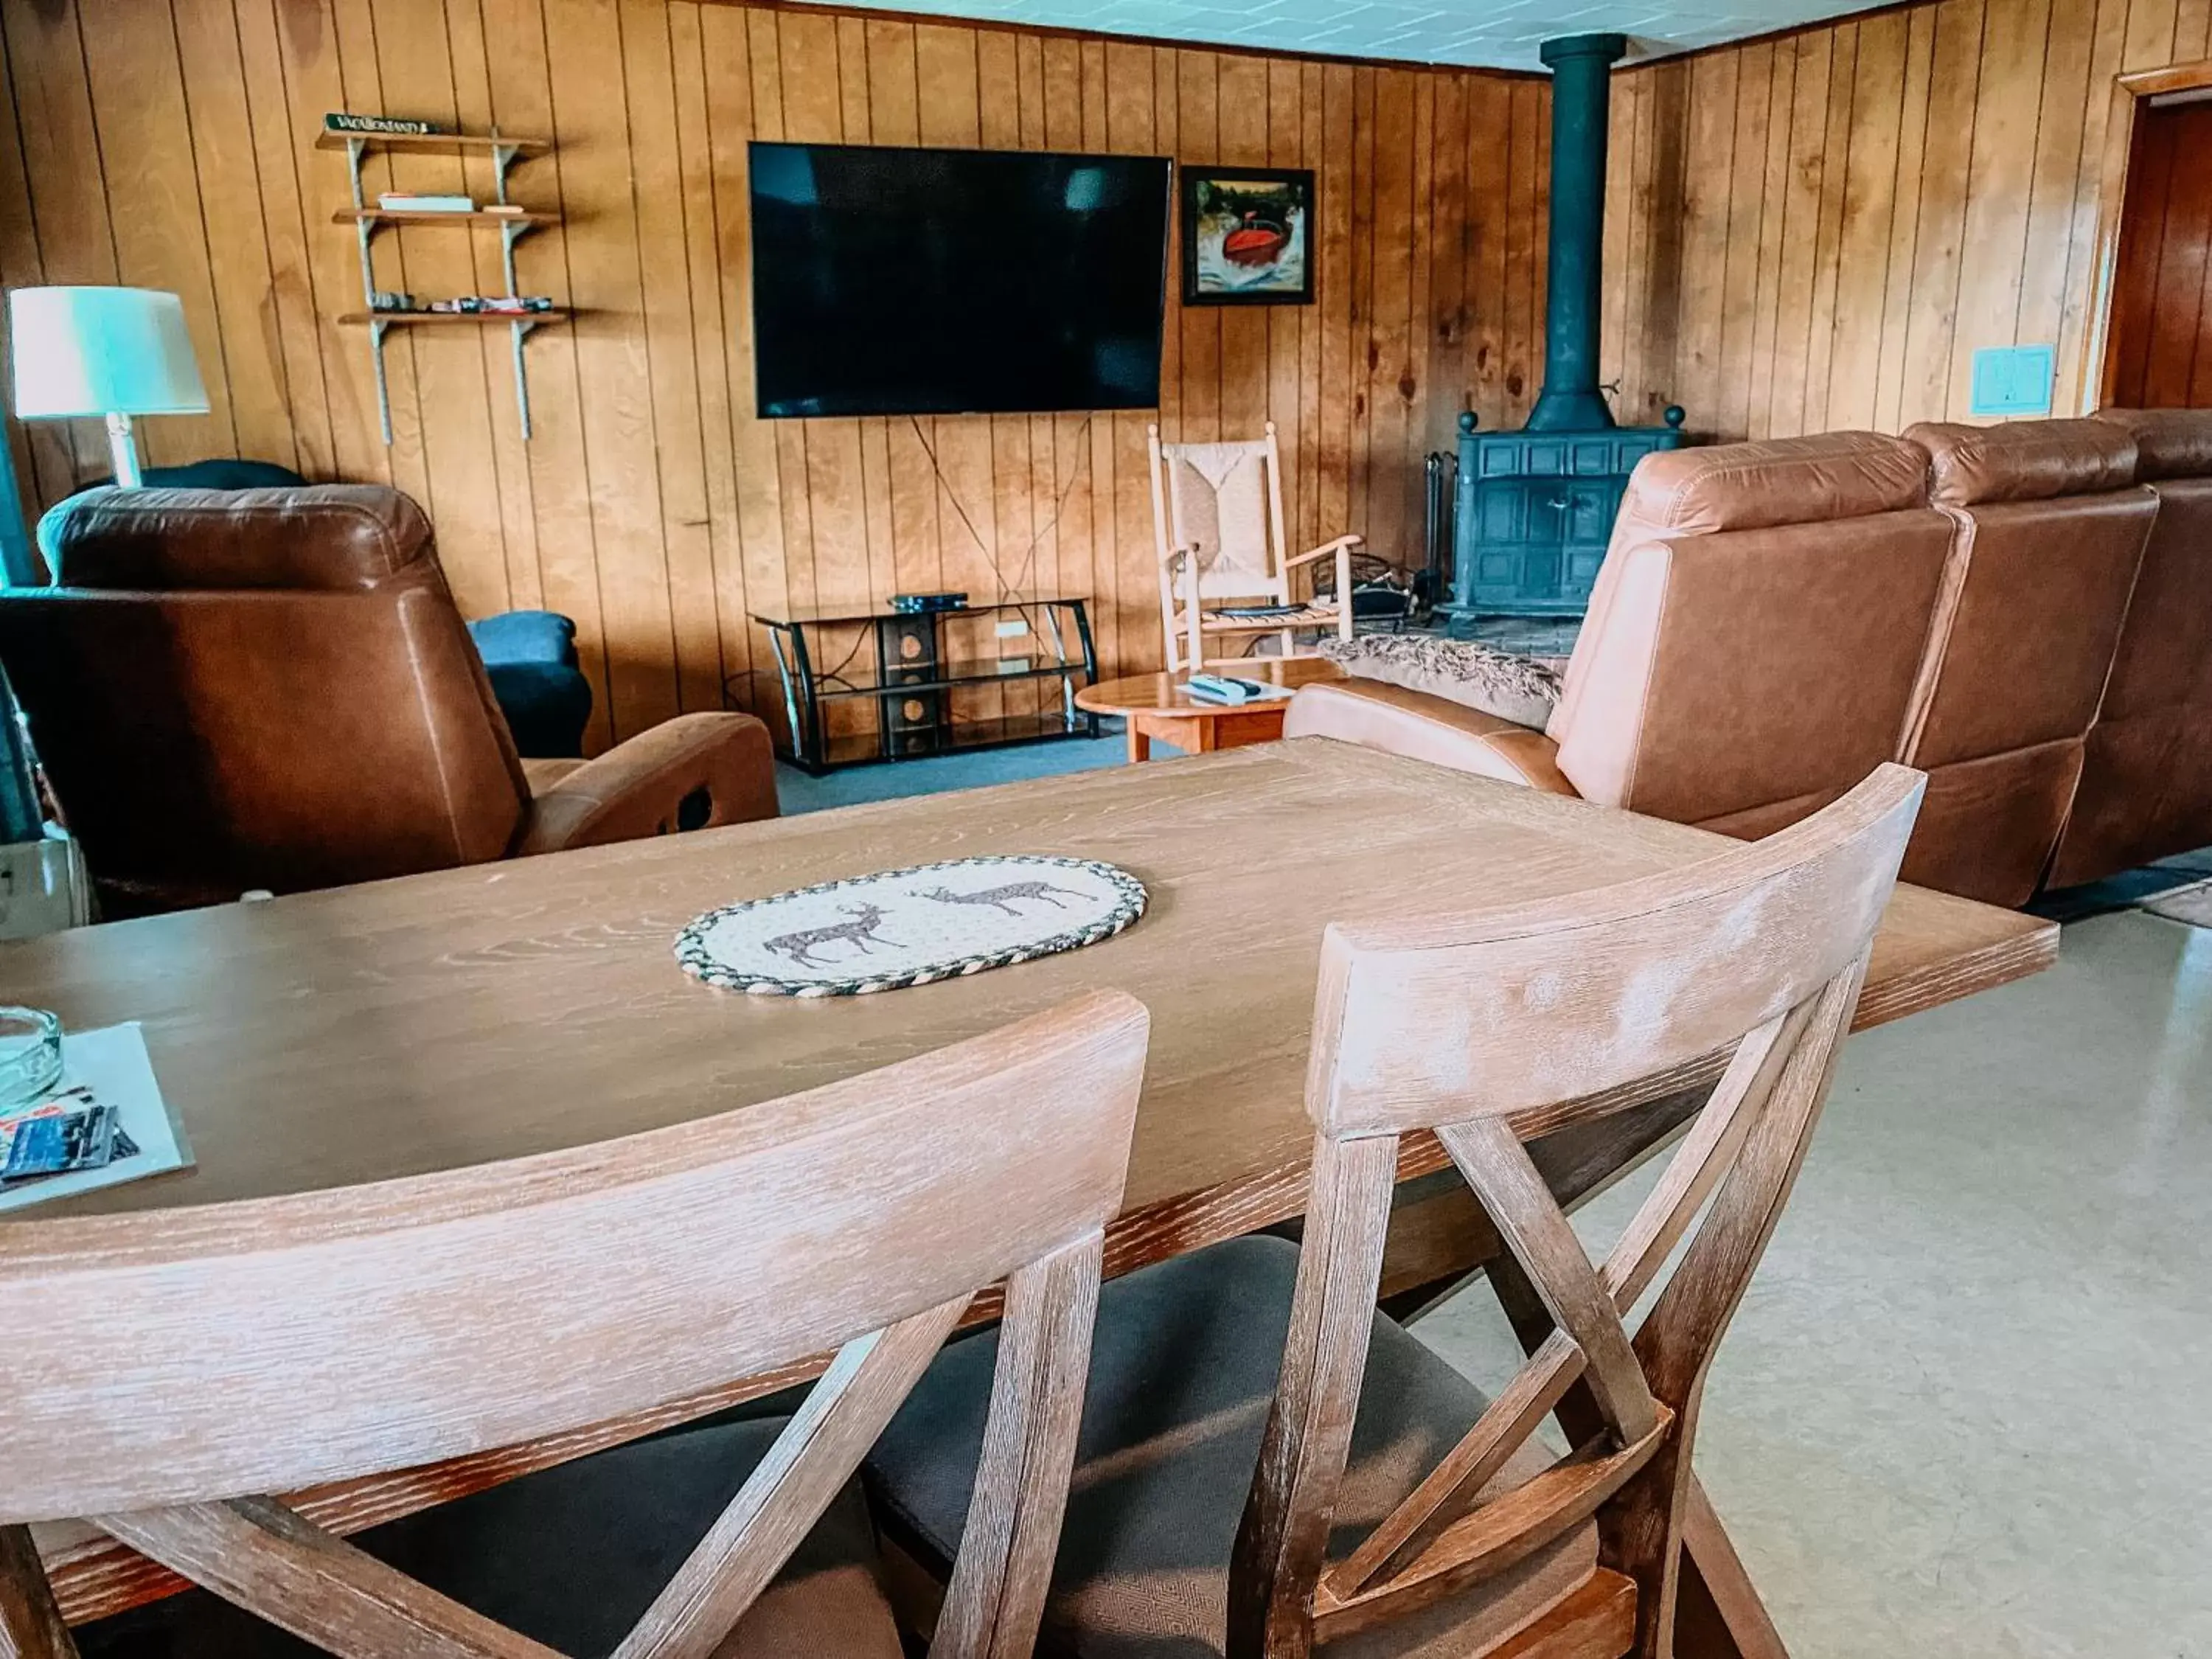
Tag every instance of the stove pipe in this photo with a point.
(1582, 70)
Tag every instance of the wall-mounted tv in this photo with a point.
(938, 281)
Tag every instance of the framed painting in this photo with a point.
(1248, 236)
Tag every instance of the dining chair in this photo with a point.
(1266, 1462)
(1218, 525)
(167, 1370)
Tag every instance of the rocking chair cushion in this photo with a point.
(1182, 1368)
(1522, 689)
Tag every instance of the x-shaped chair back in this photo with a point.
(167, 1370)
(1489, 1027)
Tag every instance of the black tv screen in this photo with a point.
(939, 282)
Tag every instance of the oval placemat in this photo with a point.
(900, 927)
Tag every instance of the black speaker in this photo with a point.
(919, 722)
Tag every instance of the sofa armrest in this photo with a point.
(1422, 728)
(690, 773)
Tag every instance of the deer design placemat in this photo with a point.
(902, 927)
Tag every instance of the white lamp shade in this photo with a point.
(102, 351)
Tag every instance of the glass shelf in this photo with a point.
(826, 614)
(960, 737)
(981, 670)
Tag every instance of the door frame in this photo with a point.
(2097, 367)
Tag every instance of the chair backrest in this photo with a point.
(1224, 501)
(1488, 1026)
(1756, 630)
(167, 1369)
(2146, 788)
(261, 688)
(2050, 530)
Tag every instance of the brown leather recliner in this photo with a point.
(2051, 529)
(272, 688)
(1752, 649)
(2146, 788)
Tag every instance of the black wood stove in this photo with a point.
(1534, 508)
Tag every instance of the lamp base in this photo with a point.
(122, 450)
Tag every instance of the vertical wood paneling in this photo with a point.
(170, 142)
(1928, 187)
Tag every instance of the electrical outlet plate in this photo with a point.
(2013, 380)
(1012, 627)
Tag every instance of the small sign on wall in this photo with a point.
(2013, 380)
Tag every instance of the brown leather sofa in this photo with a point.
(1775, 619)
(1752, 651)
(273, 689)
(2052, 527)
(2146, 788)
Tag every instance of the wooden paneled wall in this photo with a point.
(168, 143)
(1818, 231)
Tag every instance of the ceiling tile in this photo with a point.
(1504, 35)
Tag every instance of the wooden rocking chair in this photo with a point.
(1217, 517)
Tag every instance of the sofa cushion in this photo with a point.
(2170, 443)
(326, 538)
(1521, 690)
(2023, 461)
(1776, 481)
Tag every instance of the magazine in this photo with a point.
(104, 1123)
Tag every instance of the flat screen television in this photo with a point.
(939, 282)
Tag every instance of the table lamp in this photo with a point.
(113, 352)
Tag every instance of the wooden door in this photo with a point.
(2161, 340)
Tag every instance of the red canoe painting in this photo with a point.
(1245, 237)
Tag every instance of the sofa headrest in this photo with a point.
(322, 537)
(1780, 481)
(2170, 443)
(2023, 461)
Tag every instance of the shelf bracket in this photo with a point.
(503, 156)
(376, 331)
(508, 236)
(521, 329)
(355, 147)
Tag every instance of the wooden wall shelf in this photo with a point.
(436, 144)
(360, 318)
(427, 216)
(502, 152)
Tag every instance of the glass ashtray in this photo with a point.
(30, 1054)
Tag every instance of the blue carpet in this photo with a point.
(892, 779)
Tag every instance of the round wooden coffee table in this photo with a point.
(1158, 706)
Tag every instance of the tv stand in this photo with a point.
(916, 684)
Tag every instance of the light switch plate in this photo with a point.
(2013, 380)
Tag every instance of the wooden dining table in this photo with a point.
(401, 1027)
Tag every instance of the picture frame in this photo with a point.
(1247, 236)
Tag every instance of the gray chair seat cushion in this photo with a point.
(571, 1558)
(1183, 1368)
